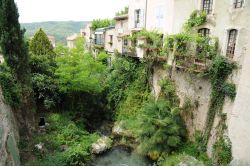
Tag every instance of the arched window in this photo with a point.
(207, 6)
(204, 32)
(238, 3)
(232, 36)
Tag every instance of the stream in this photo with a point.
(120, 156)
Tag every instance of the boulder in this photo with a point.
(104, 143)
(119, 130)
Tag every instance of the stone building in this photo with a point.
(52, 40)
(121, 32)
(226, 20)
(87, 33)
(71, 40)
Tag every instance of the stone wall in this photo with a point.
(9, 153)
(189, 87)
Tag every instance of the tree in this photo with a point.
(43, 68)
(80, 79)
(14, 47)
(15, 52)
(40, 44)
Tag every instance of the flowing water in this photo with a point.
(119, 156)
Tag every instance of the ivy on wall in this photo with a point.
(219, 71)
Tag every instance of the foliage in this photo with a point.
(191, 51)
(81, 81)
(10, 87)
(79, 72)
(219, 71)
(127, 87)
(161, 128)
(101, 23)
(154, 42)
(11, 35)
(40, 44)
(43, 66)
(64, 131)
(177, 159)
(103, 57)
(196, 19)
(122, 12)
(168, 91)
(59, 29)
(222, 154)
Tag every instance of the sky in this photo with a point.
(66, 10)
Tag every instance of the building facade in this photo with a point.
(71, 40)
(226, 20)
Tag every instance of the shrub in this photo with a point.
(161, 128)
(10, 87)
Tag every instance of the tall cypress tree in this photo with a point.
(12, 41)
(15, 52)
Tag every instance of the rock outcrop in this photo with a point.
(9, 153)
(104, 143)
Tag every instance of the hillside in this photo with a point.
(59, 29)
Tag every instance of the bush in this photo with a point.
(161, 128)
(10, 87)
(222, 154)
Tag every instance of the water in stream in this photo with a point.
(120, 156)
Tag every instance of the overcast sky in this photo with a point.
(65, 10)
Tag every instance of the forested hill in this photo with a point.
(59, 29)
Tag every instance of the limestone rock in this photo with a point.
(104, 143)
(119, 130)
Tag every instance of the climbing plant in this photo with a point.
(153, 45)
(196, 19)
(219, 71)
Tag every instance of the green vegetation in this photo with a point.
(122, 12)
(43, 65)
(219, 71)
(153, 45)
(196, 19)
(161, 128)
(79, 91)
(10, 86)
(128, 88)
(99, 23)
(65, 143)
(59, 29)
(222, 153)
(40, 44)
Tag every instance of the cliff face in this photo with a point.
(9, 153)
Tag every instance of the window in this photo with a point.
(232, 36)
(159, 17)
(110, 39)
(137, 18)
(204, 32)
(238, 3)
(207, 6)
(125, 42)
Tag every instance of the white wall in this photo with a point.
(107, 46)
